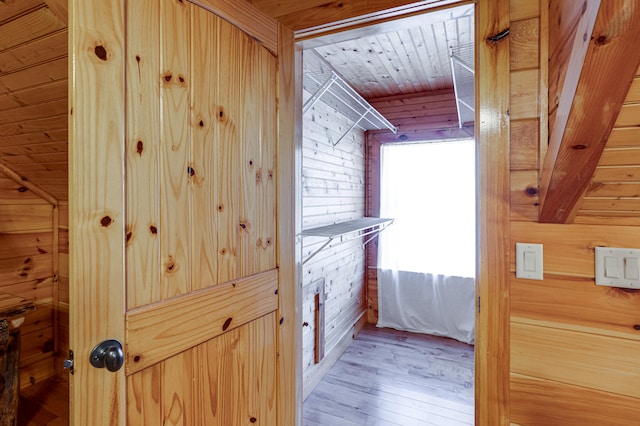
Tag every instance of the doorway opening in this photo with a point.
(404, 70)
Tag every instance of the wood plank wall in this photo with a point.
(26, 270)
(572, 343)
(421, 116)
(333, 190)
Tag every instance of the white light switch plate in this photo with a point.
(618, 267)
(529, 261)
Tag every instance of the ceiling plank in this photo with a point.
(60, 8)
(593, 93)
(8, 171)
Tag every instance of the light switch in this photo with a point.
(529, 261)
(617, 267)
(631, 271)
(611, 269)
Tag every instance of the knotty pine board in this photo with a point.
(36, 75)
(623, 137)
(623, 189)
(174, 148)
(32, 95)
(266, 175)
(14, 193)
(41, 49)
(629, 156)
(26, 269)
(524, 94)
(545, 402)
(39, 291)
(204, 147)
(583, 359)
(143, 155)
(234, 379)
(525, 141)
(524, 44)
(229, 122)
(33, 24)
(45, 109)
(577, 304)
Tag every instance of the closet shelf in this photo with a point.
(365, 226)
(338, 94)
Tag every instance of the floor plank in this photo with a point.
(390, 377)
(44, 403)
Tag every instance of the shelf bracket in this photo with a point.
(321, 91)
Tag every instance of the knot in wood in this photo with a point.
(106, 221)
(226, 324)
(100, 52)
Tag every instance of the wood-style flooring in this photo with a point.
(44, 404)
(390, 377)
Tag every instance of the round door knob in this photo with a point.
(108, 354)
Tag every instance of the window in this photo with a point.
(429, 190)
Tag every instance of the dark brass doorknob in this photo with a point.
(108, 354)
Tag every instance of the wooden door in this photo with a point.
(176, 136)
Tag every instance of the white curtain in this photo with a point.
(426, 260)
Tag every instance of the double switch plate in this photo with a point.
(618, 267)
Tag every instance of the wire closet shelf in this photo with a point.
(339, 95)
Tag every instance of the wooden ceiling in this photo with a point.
(33, 93)
(401, 57)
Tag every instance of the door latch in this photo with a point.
(68, 363)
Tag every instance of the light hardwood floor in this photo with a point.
(390, 377)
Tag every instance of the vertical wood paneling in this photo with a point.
(215, 99)
(179, 391)
(142, 154)
(237, 381)
(203, 172)
(268, 192)
(96, 203)
(228, 132)
(174, 140)
(251, 158)
(144, 397)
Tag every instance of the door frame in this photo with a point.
(492, 188)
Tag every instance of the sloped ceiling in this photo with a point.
(33, 93)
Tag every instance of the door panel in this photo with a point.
(228, 380)
(192, 228)
(216, 112)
